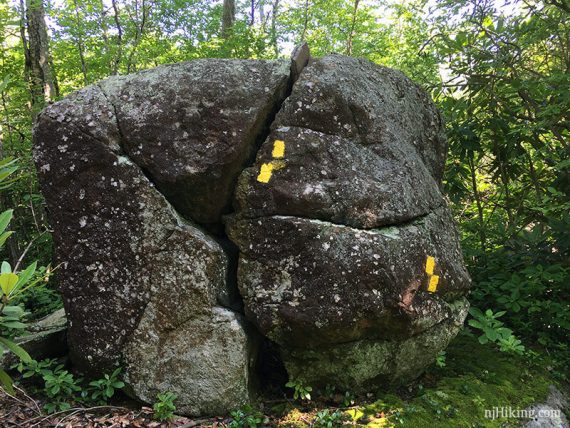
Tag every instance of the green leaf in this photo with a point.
(16, 349)
(25, 275)
(17, 325)
(4, 237)
(12, 311)
(6, 382)
(5, 219)
(8, 282)
(6, 268)
(491, 334)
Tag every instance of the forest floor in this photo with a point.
(475, 378)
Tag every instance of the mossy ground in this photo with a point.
(476, 377)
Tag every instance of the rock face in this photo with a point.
(339, 244)
(348, 257)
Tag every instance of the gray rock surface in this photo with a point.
(549, 414)
(122, 244)
(348, 257)
(336, 222)
(192, 127)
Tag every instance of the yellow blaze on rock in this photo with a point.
(265, 173)
(430, 265)
(278, 149)
(433, 281)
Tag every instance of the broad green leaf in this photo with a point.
(13, 311)
(6, 382)
(4, 237)
(16, 349)
(5, 219)
(7, 282)
(25, 275)
(5, 268)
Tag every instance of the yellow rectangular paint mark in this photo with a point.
(433, 281)
(430, 264)
(278, 149)
(265, 173)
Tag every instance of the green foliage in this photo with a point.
(64, 389)
(13, 283)
(104, 389)
(164, 407)
(300, 390)
(494, 330)
(327, 419)
(348, 399)
(247, 417)
(440, 359)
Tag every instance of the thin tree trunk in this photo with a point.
(228, 17)
(252, 13)
(274, 28)
(105, 36)
(43, 86)
(352, 27)
(138, 35)
(119, 54)
(79, 41)
(477, 197)
(306, 22)
(25, 44)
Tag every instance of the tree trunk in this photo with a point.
(274, 28)
(79, 41)
(352, 27)
(140, 27)
(42, 81)
(105, 36)
(228, 17)
(477, 197)
(306, 21)
(119, 54)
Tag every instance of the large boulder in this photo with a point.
(349, 259)
(339, 247)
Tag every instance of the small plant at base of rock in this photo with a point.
(164, 408)
(104, 388)
(247, 417)
(348, 399)
(300, 391)
(327, 419)
(61, 386)
(440, 359)
(33, 368)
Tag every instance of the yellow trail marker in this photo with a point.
(433, 281)
(265, 173)
(267, 168)
(278, 149)
(430, 264)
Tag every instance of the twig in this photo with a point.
(73, 410)
(26, 251)
(38, 410)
